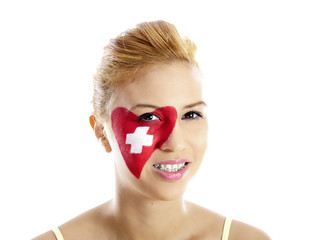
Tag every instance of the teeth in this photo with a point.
(174, 168)
(170, 167)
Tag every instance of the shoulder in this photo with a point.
(85, 226)
(212, 225)
(243, 231)
(88, 225)
(211, 222)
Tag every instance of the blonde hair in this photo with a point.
(148, 43)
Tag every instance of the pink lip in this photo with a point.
(172, 176)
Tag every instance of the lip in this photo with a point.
(173, 176)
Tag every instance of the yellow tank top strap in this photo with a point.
(57, 233)
(226, 228)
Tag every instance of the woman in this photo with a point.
(150, 114)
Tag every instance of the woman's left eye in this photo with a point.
(148, 117)
(192, 115)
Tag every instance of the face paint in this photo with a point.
(139, 138)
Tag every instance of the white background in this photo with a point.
(261, 64)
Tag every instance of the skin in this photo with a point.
(151, 207)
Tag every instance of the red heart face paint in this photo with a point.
(137, 138)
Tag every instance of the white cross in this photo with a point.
(138, 139)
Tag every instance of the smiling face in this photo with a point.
(164, 108)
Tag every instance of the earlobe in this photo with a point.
(92, 121)
(100, 133)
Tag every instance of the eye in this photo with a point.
(148, 117)
(192, 115)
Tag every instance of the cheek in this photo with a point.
(198, 137)
(136, 139)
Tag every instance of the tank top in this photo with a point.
(226, 229)
(225, 233)
(57, 233)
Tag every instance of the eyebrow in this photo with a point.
(156, 107)
(195, 104)
(144, 106)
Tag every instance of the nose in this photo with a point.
(175, 142)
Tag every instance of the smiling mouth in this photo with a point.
(171, 167)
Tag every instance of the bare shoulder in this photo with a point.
(212, 225)
(85, 226)
(211, 222)
(80, 227)
(243, 231)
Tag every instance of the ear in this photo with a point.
(100, 133)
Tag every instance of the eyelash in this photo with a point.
(149, 117)
(196, 115)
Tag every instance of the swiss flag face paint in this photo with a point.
(137, 138)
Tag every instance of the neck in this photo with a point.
(141, 217)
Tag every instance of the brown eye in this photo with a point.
(148, 117)
(192, 115)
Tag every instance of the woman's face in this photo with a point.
(165, 105)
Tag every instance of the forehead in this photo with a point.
(173, 84)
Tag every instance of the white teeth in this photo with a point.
(174, 168)
(170, 167)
